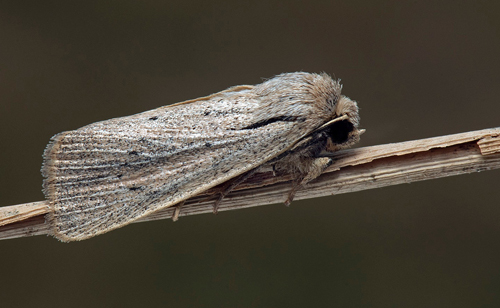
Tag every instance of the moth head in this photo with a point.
(343, 131)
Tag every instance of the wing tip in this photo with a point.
(49, 170)
(49, 173)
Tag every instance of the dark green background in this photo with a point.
(418, 69)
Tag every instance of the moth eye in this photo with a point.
(339, 131)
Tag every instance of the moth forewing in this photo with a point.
(107, 174)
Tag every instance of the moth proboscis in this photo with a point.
(107, 174)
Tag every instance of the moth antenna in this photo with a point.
(343, 117)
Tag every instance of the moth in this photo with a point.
(107, 174)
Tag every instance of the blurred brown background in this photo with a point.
(417, 70)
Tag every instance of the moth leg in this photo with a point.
(316, 168)
(296, 185)
(230, 186)
(177, 211)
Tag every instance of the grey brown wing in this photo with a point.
(108, 174)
